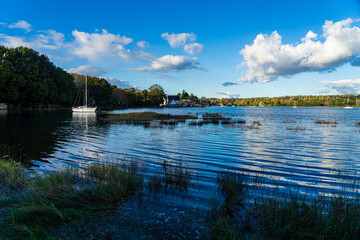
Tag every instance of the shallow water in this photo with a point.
(300, 156)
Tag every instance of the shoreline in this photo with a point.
(116, 201)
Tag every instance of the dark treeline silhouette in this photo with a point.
(29, 79)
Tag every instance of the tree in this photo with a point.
(119, 97)
(29, 79)
(156, 94)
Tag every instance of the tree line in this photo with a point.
(288, 101)
(30, 79)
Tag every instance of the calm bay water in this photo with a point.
(299, 155)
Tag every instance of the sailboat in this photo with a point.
(347, 106)
(85, 108)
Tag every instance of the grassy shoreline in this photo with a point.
(31, 204)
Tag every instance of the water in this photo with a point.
(301, 155)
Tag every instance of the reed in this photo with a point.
(297, 217)
(62, 196)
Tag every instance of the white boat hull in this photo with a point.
(348, 107)
(84, 109)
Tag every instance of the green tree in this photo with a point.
(28, 79)
(156, 94)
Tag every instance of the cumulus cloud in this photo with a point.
(104, 44)
(178, 40)
(347, 86)
(228, 94)
(21, 24)
(228, 84)
(142, 44)
(268, 58)
(87, 69)
(170, 63)
(49, 39)
(119, 83)
(186, 40)
(11, 42)
(193, 48)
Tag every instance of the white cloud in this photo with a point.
(178, 40)
(104, 44)
(119, 83)
(87, 69)
(21, 24)
(49, 39)
(193, 48)
(11, 42)
(268, 58)
(142, 44)
(170, 63)
(228, 94)
(347, 86)
(186, 40)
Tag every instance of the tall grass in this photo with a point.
(12, 174)
(62, 196)
(296, 217)
(172, 176)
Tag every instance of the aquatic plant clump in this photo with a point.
(325, 122)
(143, 116)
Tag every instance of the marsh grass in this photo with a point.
(256, 123)
(221, 226)
(296, 128)
(62, 196)
(301, 218)
(12, 174)
(171, 177)
(298, 216)
(326, 122)
(217, 120)
(214, 116)
(143, 116)
(176, 176)
(287, 120)
(221, 217)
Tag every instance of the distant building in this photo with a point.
(172, 101)
(3, 106)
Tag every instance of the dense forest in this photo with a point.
(30, 79)
(304, 101)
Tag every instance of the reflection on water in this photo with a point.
(30, 135)
(297, 153)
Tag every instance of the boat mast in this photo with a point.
(86, 91)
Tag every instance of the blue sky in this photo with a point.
(197, 45)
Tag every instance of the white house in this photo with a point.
(172, 101)
(3, 106)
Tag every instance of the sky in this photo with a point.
(208, 48)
